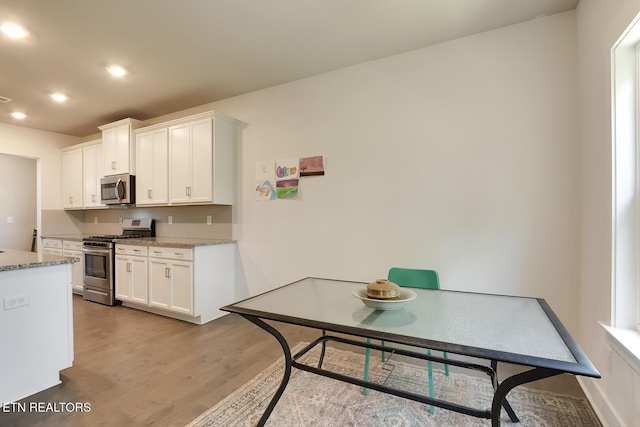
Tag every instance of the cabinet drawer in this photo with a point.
(71, 245)
(52, 243)
(171, 253)
(132, 250)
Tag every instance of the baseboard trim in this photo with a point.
(600, 403)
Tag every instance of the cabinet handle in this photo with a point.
(113, 165)
(179, 254)
(137, 250)
(167, 272)
(129, 267)
(157, 252)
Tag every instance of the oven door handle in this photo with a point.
(96, 251)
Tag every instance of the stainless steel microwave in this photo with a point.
(118, 189)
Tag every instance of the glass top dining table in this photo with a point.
(503, 328)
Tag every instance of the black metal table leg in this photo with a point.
(508, 384)
(505, 404)
(288, 360)
(324, 348)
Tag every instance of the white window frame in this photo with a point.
(624, 328)
(625, 93)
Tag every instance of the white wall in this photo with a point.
(599, 25)
(458, 157)
(41, 145)
(17, 201)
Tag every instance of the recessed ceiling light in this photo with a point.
(18, 115)
(117, 70)
(14, 31)
(59, 97)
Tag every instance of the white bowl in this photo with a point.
(389, 304)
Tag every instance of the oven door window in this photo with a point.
(95, 266)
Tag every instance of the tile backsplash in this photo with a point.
(171, 221)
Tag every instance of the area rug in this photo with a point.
(312, 400)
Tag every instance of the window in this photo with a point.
(625, 310)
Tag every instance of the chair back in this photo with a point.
(412, 278)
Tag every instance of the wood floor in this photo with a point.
(138, 369)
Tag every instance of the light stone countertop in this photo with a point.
(20, 260)
(177, 242)
(74, 237)
(174, 242)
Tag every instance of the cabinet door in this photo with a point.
(131, 279)
(123, 279)
(77, 270)
(139, 280)
(159, 283)
(201, 161)
(152, 168)
(116, 150)
(92, 172)
(179, 163)
(72, 179)
(109, 152)
(122, 149)
(182, 287)
(171, 285)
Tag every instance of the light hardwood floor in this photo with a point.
(139, 369)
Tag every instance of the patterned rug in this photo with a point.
(312, 400)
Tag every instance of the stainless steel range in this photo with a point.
(99, 254)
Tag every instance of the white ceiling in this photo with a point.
(186, 53)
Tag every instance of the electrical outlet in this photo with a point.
(208, 219)
(95, 219)
(15, 302)
(9, 220)
(170, 220)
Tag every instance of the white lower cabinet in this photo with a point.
(52, 246)
(132, 274)
(189, 283)
(73, 248)
(171, 285)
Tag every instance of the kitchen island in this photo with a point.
(36, 322)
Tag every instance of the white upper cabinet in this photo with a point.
(202, 160)
(191, 166)
(118, 147)
(152, 167)
(187, 161)
(92, 172)
(72, 178)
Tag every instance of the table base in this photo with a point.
(501, 389)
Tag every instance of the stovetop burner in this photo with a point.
(131, 229)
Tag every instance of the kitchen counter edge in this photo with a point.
(177, 242)
(22, 260)
(174, 242)
(68, 237)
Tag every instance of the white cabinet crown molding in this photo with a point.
(135, 124)
(82, 145)
(204, 115)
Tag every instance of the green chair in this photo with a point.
(411, 278)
